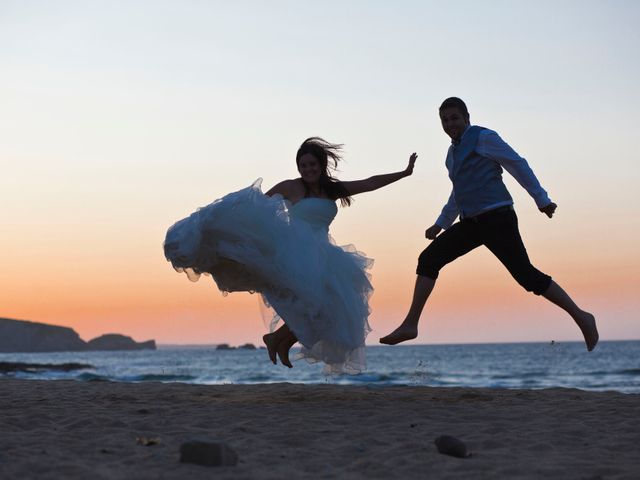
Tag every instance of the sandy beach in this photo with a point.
(69, 429)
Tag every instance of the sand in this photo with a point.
(68, 429)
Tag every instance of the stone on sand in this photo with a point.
(452, 446)
(206, 452)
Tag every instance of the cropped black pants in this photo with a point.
(498, 231)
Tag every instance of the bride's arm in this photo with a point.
(379, 181)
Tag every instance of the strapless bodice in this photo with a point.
(317, 212)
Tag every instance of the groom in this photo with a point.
(479, 197)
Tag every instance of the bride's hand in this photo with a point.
(412, 162)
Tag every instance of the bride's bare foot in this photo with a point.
(400, 334)
(587, 324)
(283, 353)
(284, 346)
(270, 341)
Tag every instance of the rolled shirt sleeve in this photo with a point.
(449, 213)
(490, 145)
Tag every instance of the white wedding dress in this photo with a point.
(250, 242)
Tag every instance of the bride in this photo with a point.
(278, 244)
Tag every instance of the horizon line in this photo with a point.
(203, 345)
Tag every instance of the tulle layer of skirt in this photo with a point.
(249, 242)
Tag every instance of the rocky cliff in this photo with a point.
(24, 336)
(113, 341)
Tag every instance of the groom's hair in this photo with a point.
(455, 102)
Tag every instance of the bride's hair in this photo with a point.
(328, 154)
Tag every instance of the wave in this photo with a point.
(147, 377)
(158, 377)
(614, 367)
(627, 371)
(602, 373)
(92, 377)
(519, 375)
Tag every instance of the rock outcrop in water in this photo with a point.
(24, 336)
(113, 341)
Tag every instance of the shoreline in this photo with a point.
(71, 429)
(611, 367)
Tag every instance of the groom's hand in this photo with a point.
(432, 232)
(549, 210)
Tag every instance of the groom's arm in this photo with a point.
(445, 220)
(449, 213)
(490, 145)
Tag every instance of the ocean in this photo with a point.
(613, 365)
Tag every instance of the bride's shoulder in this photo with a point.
(287, 188)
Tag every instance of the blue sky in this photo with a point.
(119, 118)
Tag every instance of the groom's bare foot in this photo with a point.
(587, 324)
(270, 341)
(400, 334)
(283, 353)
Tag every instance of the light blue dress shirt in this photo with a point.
(491, 146)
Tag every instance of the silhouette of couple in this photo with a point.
(278, 244)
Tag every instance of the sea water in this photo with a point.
(613, 365)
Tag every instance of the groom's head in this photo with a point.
(454, 117)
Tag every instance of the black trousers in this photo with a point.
(498, 231)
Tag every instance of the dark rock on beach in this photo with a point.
(204, 452)
(448, 445)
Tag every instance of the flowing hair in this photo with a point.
(328, 154)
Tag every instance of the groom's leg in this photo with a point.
(585, 320)
(502, 237)
(458, 240)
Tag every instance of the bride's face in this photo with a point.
(309, 168)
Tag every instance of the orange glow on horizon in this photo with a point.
(475, 293)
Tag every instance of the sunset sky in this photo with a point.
(119, 118)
